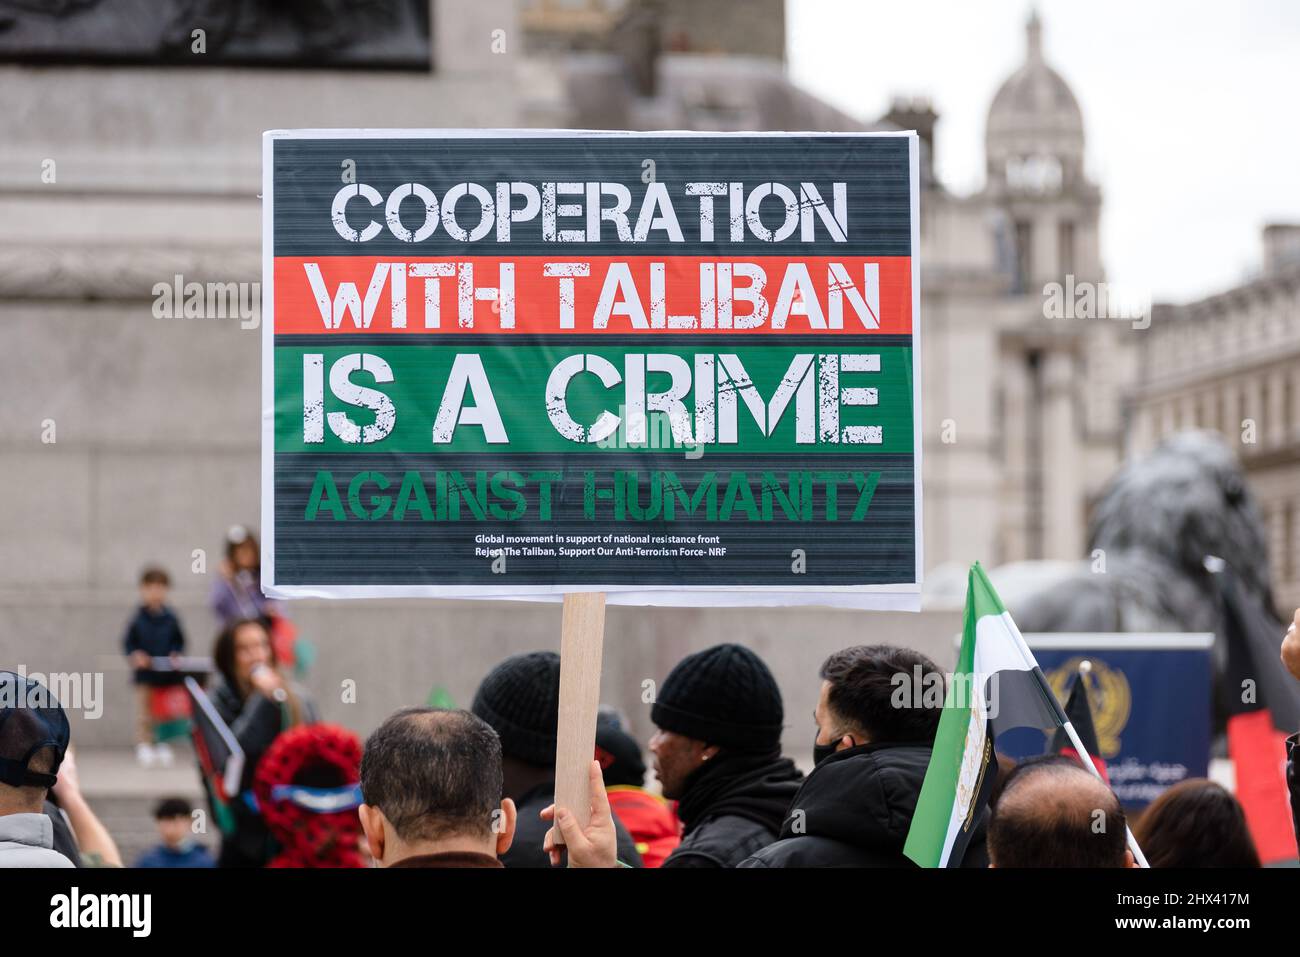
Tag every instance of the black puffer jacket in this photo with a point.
(721, 842)
(854, 810)
(733, 805)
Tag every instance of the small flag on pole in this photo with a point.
(996, 685)
(1079, 710)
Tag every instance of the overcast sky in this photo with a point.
(1191, 110)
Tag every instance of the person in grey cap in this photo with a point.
(718, 754)
(33, 741)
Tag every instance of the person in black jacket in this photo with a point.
(154, 632)
(872, 750)
(717, 752)
(520, 699)
(1291, 658)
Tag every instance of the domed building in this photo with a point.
(1034, 134)
(1022, 412)
(1035, 169)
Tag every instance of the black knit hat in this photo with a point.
(520, 699)
(723, 695)
(617, 751)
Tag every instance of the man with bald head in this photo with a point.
(432, 782)
(1053, 813)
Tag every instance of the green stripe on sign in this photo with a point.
(396, 398)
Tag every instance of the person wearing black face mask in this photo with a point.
(872, 749)
(823, 751)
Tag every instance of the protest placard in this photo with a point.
(672, 368)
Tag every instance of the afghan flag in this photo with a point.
(1079, 711)
(169, 710)
(996, 686)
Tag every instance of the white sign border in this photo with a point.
(904, 596)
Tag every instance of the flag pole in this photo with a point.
(1088, 764)
(1071, 733)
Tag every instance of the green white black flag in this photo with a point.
(996, 686)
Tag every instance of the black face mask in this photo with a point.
(823, 751)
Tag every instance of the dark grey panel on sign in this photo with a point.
(876, 548)
(310, 172)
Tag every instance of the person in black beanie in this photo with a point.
(520, 699)
(648, 817)
(718, 754)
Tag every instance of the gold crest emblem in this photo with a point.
(1108, 694)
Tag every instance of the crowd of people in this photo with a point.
(476, 788)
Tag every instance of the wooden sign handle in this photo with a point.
(581, 646)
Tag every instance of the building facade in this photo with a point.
(1231, 363)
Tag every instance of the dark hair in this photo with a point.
(1055, 825)
(155, 576)
(1196, 823)
(433, 773)
(172, 807)
(223, 651)
(238, 536)
(866, 692)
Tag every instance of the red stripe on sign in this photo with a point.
(834, 295)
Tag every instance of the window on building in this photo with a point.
(1024, 263)
(1265, 407)
(1288, 542)
(1065, 245)
(1287, 407)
